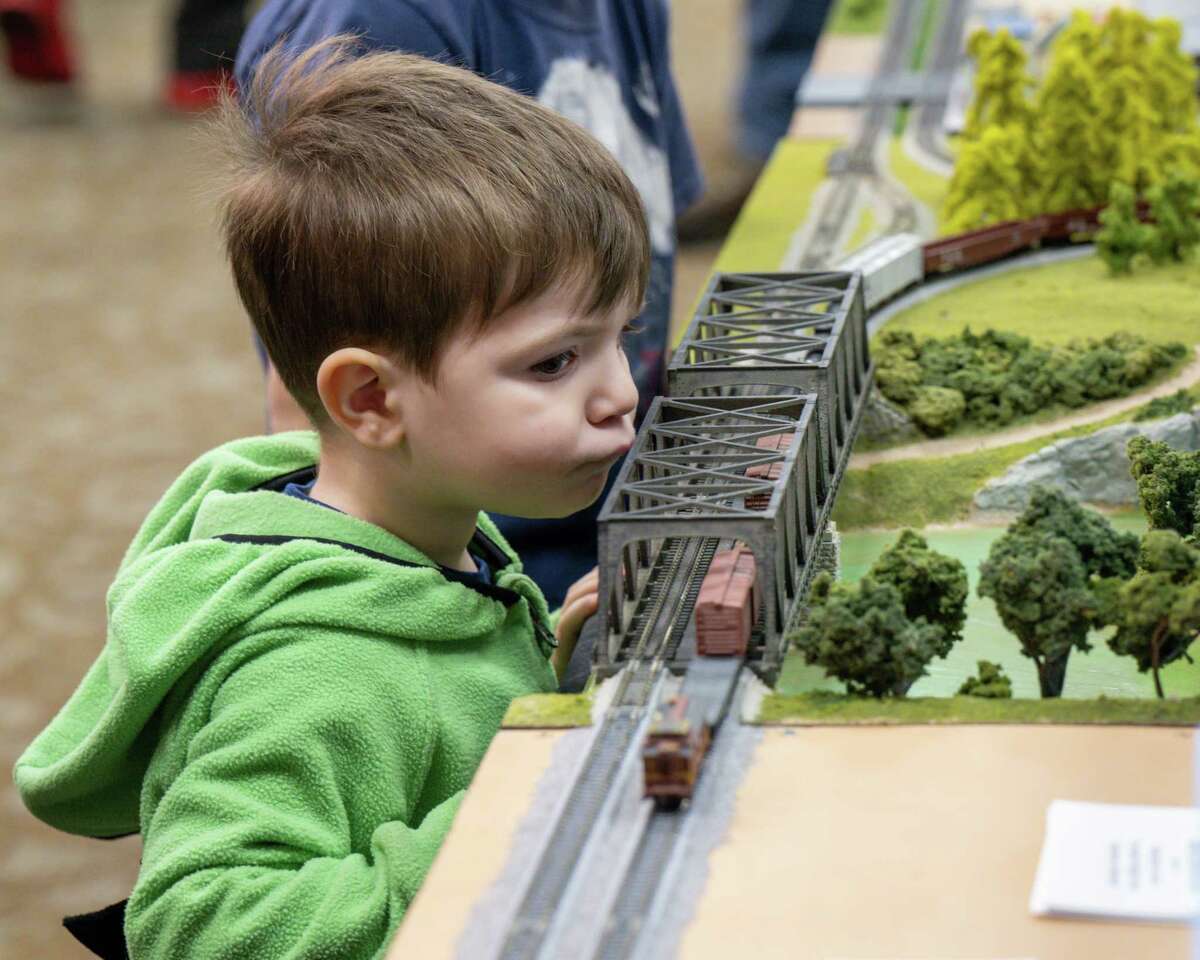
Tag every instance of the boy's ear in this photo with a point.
(359, 390)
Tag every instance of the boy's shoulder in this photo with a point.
(239, 465)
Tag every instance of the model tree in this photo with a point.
(859, 634)
(1042, 575)
(1117, 103)
(1157, 612)
(1168, 485)
(996, 168)
(1002, 84)
(1175, 210)
(1173, 83)
(991, 181)
(878, 636)
(1103, 550)
(1068, 136)
(991, 683)
(1122, 236)
(932, 585)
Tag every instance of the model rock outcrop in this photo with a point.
(1091, 469)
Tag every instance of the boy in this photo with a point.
(304, 667)
(604, 64)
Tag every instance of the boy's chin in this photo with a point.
(556, 510)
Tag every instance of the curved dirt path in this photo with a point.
(949, 446)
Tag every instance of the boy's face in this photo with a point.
(528, 417)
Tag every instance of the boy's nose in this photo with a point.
(615, 395)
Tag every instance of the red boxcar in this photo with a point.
(728, 604)
(767, 471)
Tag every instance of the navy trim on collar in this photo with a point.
(490, 590)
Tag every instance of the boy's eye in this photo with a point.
(629, 331)
(553, 366)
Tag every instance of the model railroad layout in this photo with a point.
(709, 540)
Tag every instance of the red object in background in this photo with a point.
(37, 45)
(190, 91)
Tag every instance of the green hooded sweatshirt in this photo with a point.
(288, 707)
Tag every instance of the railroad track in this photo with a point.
(667, 601)
(640, 887)
(947, 49)
(858, 161)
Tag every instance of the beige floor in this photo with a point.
(125, 353)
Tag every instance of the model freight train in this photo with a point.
(894, 263)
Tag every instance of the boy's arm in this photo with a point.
(288, 832)
(582, 601)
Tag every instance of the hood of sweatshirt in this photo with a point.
(188, 588)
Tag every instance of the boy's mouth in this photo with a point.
(603, 463)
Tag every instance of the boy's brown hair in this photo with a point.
(385, 201)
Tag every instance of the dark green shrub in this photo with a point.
(1181, 401)
(1000, 376)
(937, 410)
(991, 683)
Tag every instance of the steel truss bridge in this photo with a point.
(766, 353)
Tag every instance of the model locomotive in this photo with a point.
(673, 752)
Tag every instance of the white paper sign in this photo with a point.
(1118, 860)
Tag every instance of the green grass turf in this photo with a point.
(549, 710)
(857, 16)
(777, 206)
(865, 230)
(925, 185)
(1064, 301)
(829, 708)
(914, 493)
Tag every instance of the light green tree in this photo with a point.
(1128, 144)
(1002, 84)
(1175, 210)
(1067, 135)
(1122, 236)
(991, 181)
(1172, 76)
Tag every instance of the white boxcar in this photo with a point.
(889, 265)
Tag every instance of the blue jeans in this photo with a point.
(781, 36)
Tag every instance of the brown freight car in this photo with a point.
(672, 753)
(1068, 225)
(727, 607)
(767, 471)
(981, 246)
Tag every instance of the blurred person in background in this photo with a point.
(779, 38)
(205, 37)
